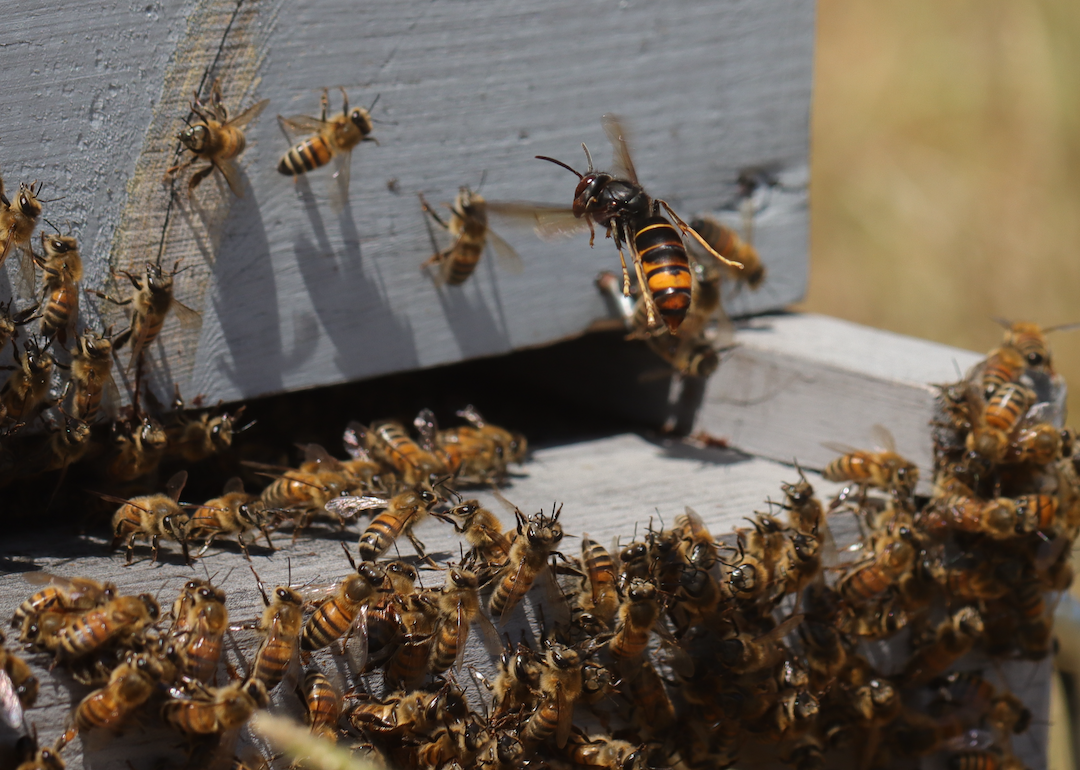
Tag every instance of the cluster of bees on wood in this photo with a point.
(677, 649)
(678, 293)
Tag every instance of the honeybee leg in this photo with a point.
(344, 101)
(131, 547)
(180, 167)
(205, 546)
(688, 229)
(266, 534)
(107, 298)
(121, 339)
(154, 549)
(325, 103)
(198, 176)
(243, 545)
(421, 552)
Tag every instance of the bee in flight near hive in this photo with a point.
(468, 227)
(216, 139)
(616, 201)
(333, 139)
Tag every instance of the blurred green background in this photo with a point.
(946, 169)
(945, 159)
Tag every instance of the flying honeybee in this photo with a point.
(151, 516)
(216, 139)
(138, 447)
(469, 229)
(617, 202)
(149, 304)
(333, 139)
(62, 268)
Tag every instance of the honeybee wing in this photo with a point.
(110, 395)
(348, 506)
(11, 711)
(507, 258)
(884, 437)
(317, 453)
(566, 718)
(427, 427)
(492, 643)
(356, 641)
(235, 484)
(839, 448)
(301, 124)
(187, 317)
(549, 220)
(353, 439)
(616, 134)
(339, 186)
(231, 172)
(27, 274)
(248, 115)
(462, 619)
(176, 484)
(781, 630)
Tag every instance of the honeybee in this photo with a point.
(415, 464)
(537, 538)
(560, 684)
(18, 219)
(26, 390)
(213, 710)
(602, 600)
(201, 631)
(418, 614)
(963, 512)
(1039, 444)
(62, 594)
(459, 607)
(1002, 366)
(130, 685)
(511, 447)
(10, 323)
(653, 709)
(322, 703)
(884, 469)
(235, 512)
(138, 448)
(637, 616)
(62, 268)
(894, 558)
(469, 229)
(151, 516)
(334, 139)
(216, 139)
(282, 622)
(294, 490)
(954, 637)
(985, 759)
(91, 380)
(20, 679)
(197, 437)
(726, 241)
(119, 618)
(481, 528)
(1029, 340)
(517, 680)
(149, 304)
(618, 203)
(805, 513)
(403, 512)
(337, 614)
(994, 421)
(605, 752)
(37, 758)
(748, 654)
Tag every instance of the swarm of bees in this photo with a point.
(681, 648)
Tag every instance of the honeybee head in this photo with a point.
(361, 118)
(26, 201)
(195, 138)
(94, 346)
(157, 280)
(57, 244)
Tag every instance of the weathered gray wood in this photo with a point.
(294, 296)
(796, 381)
(607, 487)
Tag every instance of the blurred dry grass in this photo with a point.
(946, 172)
(946, 169)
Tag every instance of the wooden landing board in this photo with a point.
(293, 295)
(607, 487)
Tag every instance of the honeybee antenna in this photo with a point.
(483, 176)
(560, 163)
(373, 103)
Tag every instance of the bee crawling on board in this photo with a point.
(216, 139)
(333, 139)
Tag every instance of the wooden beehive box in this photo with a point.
(293, 295)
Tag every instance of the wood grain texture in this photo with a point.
(796, 381)
(607, 487)
(293, 296)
